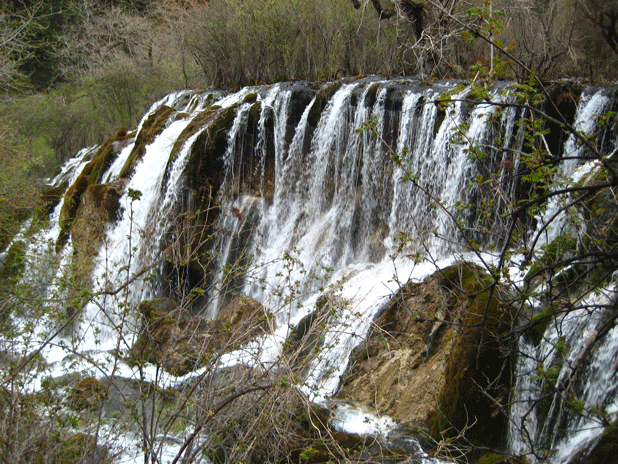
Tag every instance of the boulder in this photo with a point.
(438, 342)
(181, 341)
(91, 174)
(87, 394)
(243, 318)
(169, 336)
(398, 370)
(603, 451)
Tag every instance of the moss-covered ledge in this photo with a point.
(90, 175)
(477, 376)
(152, 127)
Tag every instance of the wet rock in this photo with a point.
(152, 127)
(99, 204)
(181, 342)
(478, 371)
(243, 318)
(90, 175)
(603, 451)
(169, 336)
(88, 394)
(50, 197)
(431, 343)
(307, 337)
(399, 368)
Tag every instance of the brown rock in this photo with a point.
(399, 369)
(181, 342)
(241, 319)
(99, 204)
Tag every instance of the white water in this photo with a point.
(554, 221)
(561, 430)
(335, 214)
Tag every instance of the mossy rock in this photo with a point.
(194, 126)
(87, 394)
(604, 451)
(371, 95)
(63, 447)
(99, 205)
(250, 98)
(241, 319)
(205, 170)
(477, 361)
(565, 97)
(554, 252)
(254, 114)
(152, 127)
(90, 175)
(181, 341)
(439, 120)
(159, 340)
(50, 197)
(307, 337)
(491, 458)
(321, 100)
(106, 154)
(601, 238)
(539, 323)
(71, 203)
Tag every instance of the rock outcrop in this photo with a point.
(181, 342)
(435, 356)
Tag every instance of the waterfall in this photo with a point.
(311, 203)
(562, 429)
(585, 403)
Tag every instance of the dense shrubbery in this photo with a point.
(99, 64)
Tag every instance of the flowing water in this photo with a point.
(338, 211)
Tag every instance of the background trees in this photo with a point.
(114, 57)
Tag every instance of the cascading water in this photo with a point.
(560, 426)
(328, 218)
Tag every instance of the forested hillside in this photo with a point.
(72, 72)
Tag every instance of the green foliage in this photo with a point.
(19, 192)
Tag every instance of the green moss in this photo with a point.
(90, 175)
(104, 156)
(476, 363)
(539, 324)
(491, 458)
(371, 95)
(196, 124)
(87, 394)
(101, 161)
(604, 451)
(152, 127)
(553, 253)
(205, 164)
(61, 447)
(71, 203)
(51, 196)
(254, 114)
(250, 98)
(321, 99)
(439, 120)
(464, 277)
(14, 260)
